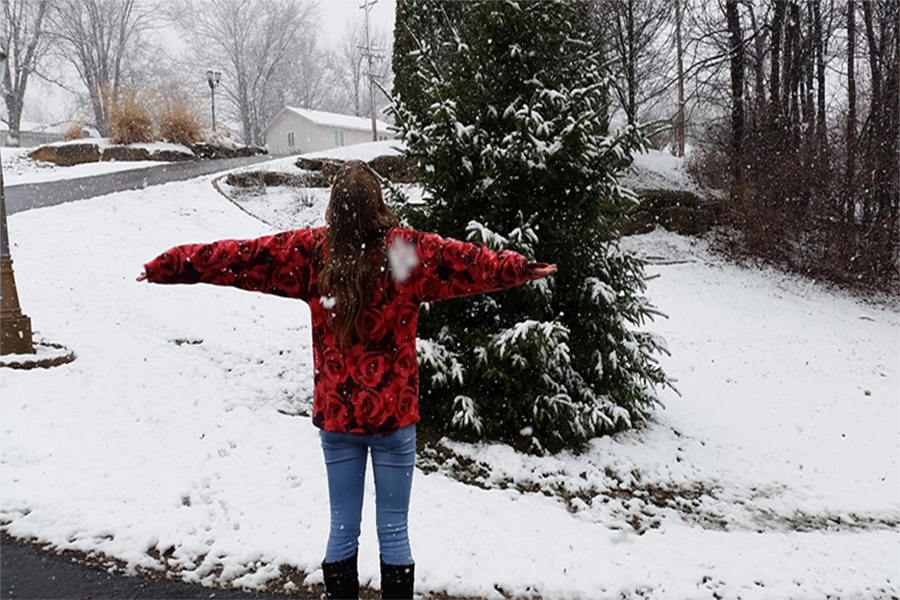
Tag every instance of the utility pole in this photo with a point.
(370, 55)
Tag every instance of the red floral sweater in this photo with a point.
(371, 387)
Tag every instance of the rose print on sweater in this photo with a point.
(373, 386)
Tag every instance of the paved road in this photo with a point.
(36, 195)
(26, 572)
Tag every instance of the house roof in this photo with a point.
(336, 120)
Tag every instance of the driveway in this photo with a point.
(27, 572)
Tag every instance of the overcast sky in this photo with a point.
(336, 13)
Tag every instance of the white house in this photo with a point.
(300, 130)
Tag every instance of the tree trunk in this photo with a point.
(849, 206)
(808, 82)
(819, 49)
(775, 80)
(630, 68)
(679, 118)
(791, 74)
(25, 47)
(875, 125)
(736, 44)
(759, 43)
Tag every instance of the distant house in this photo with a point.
(37, 134)
(300, 130)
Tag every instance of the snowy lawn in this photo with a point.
(174, 442)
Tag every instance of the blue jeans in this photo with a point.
(393, 463)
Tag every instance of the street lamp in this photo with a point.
(15, 327)
(213, 77)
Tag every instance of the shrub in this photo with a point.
(74, 131)
(178, 124)
(514, 154)
(130, 121)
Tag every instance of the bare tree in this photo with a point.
(635, 32)
(24, 41)
(347, 66)
(100, 38)
(851, 110)
(349, 71)
(252, 42)
(306, 76)
(736, 37)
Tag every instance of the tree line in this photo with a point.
(791, 107)
(270, 53)
(788, 106)
(814, 169)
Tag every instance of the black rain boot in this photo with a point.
(397, 581)
(342, 579)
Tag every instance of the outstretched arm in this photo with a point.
(280, 264)
(449, 268)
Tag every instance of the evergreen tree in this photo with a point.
(515, 153)
(418, 24)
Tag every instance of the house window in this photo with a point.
(382, 137)
(291, 143)
(338, 137)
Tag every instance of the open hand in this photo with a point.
(142, 276)
(544, 270)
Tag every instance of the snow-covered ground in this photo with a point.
(660, 170)
(174, 438)
(20, 169)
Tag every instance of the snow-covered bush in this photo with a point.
(514, 154)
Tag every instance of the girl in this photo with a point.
(364, 278)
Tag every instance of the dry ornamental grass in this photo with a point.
(130, 121)
(178, 124)
(75, 131)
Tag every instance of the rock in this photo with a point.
(125, 153)
(685, 220)
(250, 151)
(327, 167)
(247, 179)
(254, 179)
(395, 169)
(317, 179)
(205, 150)
(76, 154)
(638, 222)
(44, 154)
(680, 211)
(656, 201)
(171, 156)
(68, 154)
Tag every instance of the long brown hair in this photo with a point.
(355, 252)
